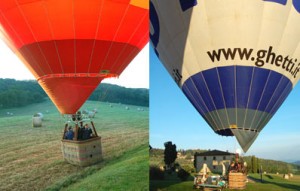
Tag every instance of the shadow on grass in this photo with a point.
(169, 180)
(285, 185)
(269, 176)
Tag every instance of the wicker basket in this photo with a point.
(82, 153)
(237, 180)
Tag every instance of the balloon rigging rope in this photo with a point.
(261, 120)
(200, 96)
(131, 54)
(115, 35)
(17, 34)
(216, 111)
(96, 34)
(235, 95)
(74, 31)
(262, 95)
(223, 97)
(249, 95)
(52, 36)
(212, 100)
(273, 107)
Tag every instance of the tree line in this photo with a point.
(15, 93)
(253, 163)
(117, 94)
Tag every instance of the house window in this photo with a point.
(214, 158)
(204, 158)
(224, 157)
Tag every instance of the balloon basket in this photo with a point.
(237, 180)
(82, 153)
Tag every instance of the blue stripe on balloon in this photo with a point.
(283, 2)
(186, 4)
(237, 87)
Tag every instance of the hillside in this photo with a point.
(273, 166)
(117, 94)
(31, 158)
(15, 93)
(297, 162)
(186, 157)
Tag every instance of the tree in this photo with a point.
(254, 164)
(170, 154)
(258, 165)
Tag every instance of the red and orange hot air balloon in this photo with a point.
(70, 46)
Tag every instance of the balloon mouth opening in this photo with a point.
(228, 132)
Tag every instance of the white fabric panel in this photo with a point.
(186, 36)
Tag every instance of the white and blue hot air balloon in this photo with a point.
(235, 60)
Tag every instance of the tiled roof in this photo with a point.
(214, 153)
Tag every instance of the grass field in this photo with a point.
(271, 182)
(31, 159)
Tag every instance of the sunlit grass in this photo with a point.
(31, 159)
(270, 182)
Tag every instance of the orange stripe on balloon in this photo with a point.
(71, 75)
(140, 3)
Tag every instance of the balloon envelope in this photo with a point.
(71, 46)
(235, 60)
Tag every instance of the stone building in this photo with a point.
(214, 160)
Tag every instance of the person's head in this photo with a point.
(70, 127)
(86, 126)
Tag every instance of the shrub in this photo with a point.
(156, 173)
(188, 168)
(183, 174)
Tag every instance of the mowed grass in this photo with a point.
(271, 182)
(117, 176)
(31, 159)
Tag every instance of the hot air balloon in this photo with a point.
(71, 46)
(235, 60)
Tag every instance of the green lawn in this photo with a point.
(31, 159)
(122, 174)
(274, 182)
(270, 183)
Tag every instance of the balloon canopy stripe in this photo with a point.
(236, 95)
(91, 56)
(61, 41)
(231, 87)
(29, 22)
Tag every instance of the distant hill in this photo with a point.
(15, 93)
(269, 166)
(273, 166)
(117, 94)
(297, 162)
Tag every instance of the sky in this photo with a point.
(136, 75)
(173, 118)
